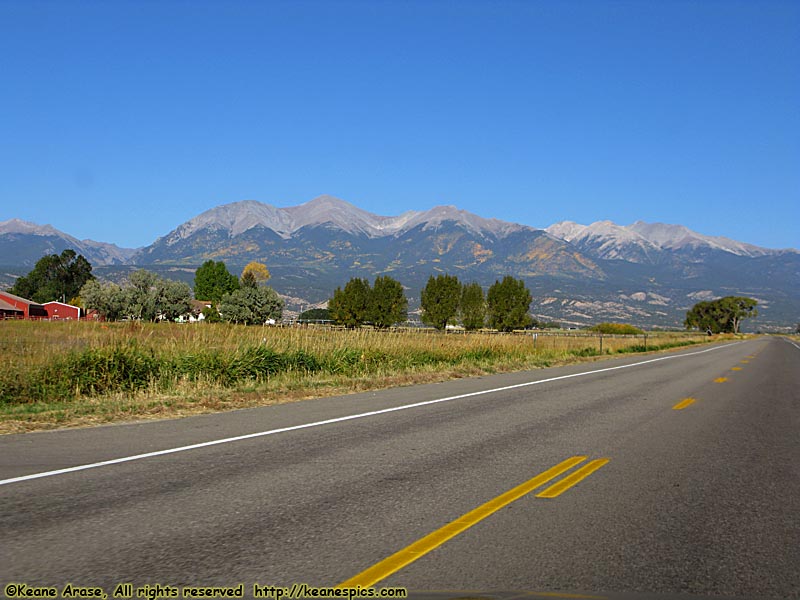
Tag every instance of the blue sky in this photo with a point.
(121, 120)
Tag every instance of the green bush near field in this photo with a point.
(616, 329)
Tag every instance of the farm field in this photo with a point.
(58, 374)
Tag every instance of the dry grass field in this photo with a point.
(57, 374)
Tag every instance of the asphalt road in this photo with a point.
(704, 500)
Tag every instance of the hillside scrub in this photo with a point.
(62, 372)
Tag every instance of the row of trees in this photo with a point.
(444, 301)
(212, 280)
(146, 297)
(381, 305)
(149, 297)
(247, 300)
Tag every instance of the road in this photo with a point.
(700, 499)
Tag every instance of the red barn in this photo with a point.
(30, 310)
(9, 311)
(59, 310)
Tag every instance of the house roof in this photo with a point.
(5, 306)
(61, 304)
(19, 299)
(199, 305)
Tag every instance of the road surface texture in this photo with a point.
(675, 473)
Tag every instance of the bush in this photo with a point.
(616, 329)
(98, 371)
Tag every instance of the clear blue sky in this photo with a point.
(121, 120)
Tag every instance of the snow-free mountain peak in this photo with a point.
(565, 230)
(334, 212)
(46, 239)
(235, 218)
(26, 227)
(327, 211)
(679, 237)
(640, 242)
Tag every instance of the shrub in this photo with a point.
(616, 329)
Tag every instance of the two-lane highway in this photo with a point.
(671, 473)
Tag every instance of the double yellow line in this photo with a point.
(433, 540)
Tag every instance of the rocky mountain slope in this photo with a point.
(22, 243)
(648, 243)
(649, 274)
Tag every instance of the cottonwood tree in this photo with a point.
(251, 305)
(507, 304)
(106, 298)
(255, 274)
(723, 315)
(439, 300)
(150, 297)
(146, 297)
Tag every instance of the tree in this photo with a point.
(173, 299)
(350, 306)
(150, 297)
(472, 306)
(439, 300)
(739, 308)
(55, 277)
(315, 314)
(211, 314)
(537, 324)
(723, 315)
(106, 298)
(251, 306)
(254, 274)
(146, 296)
(212, 281)
(140, 295)
(387, 303)
(507, 303)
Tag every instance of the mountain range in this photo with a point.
(645, 273)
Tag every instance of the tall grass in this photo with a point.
(63, 362)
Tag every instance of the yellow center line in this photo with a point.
(421, 547)
(720, 380)
(744, 362)
(573, 478)
(736, 368)
(683, 404)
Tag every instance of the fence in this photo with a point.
(544, 339)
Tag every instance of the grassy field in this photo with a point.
(57, 374)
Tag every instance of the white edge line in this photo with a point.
(792, 343)
(116, 461)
